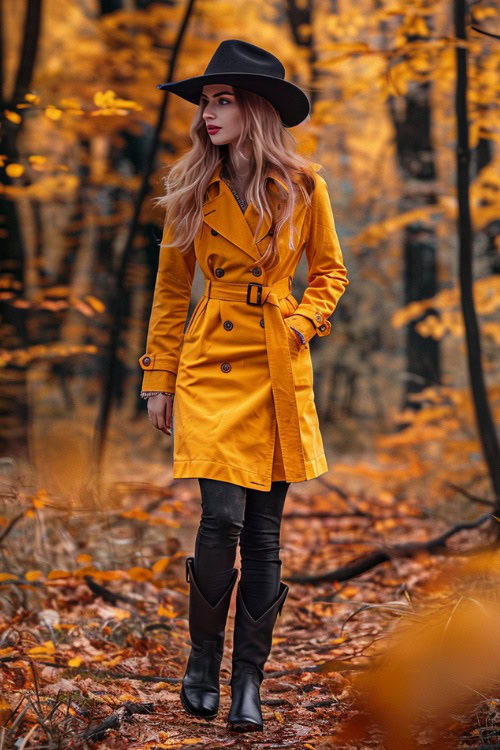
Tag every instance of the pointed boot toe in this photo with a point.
(200, 691)
(245, 714)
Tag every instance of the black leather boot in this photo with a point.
(200, 690)
(252, 646)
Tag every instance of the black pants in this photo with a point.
(231, 513)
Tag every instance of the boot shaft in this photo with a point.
(253, 638)
(207, 622)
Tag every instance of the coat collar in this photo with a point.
(222, 213)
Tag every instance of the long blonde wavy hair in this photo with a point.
(272, 147)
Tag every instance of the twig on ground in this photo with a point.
(409, 549)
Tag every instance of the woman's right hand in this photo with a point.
(160, 412)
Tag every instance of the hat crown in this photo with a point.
(237, 56)
(242, 64)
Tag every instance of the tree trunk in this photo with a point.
(484, 418)
(14, 415)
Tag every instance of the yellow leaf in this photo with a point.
(74, 662)
(7, 576)
(12, 116)
(33, 98)
(136, 513)
(113, 662)
(140, 574)
(340, 639)
(167, 611)
(46, 648)
(33, 575)
(58, 574)
(53, 113)
(37, 160)
(160, 565)
(70, 102)
(14, 170)
(95, 303)
(350, 591)
(84, 559)
(279, 716)
(108, 575)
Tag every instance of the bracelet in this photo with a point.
(147, 394)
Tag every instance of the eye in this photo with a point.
(222, 99)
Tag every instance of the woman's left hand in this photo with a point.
(302, 324)
(293, 337)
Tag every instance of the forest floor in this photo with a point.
(94, 630)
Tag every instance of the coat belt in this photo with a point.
(279, 359)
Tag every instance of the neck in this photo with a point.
(238, 166)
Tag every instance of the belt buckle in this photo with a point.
(259, 293)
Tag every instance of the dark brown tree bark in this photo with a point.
(484, 419)
(13, 320)
(416, 163)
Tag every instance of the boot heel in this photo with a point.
(200, 691)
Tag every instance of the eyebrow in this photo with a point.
(219, 94)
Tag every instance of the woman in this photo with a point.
(246, 206)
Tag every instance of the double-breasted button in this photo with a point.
(228, 325)
(214, 232)
(146, 361)
(257, 271)
(219, 272)
(225, 367)
(318, 318)
(322, 328)
(262, 322)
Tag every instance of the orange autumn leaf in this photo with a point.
(167, 611)
(33, 575)
(46, 648)
(12, 116)
(53, 574)
(140, 574)
(14, 170)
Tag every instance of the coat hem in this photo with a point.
(194, 469)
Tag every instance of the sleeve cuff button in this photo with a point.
(146, 361)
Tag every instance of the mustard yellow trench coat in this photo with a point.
(244, 409)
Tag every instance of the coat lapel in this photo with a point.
(223, 214)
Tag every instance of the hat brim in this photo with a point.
(290, 101)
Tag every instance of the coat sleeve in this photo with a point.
(327, 276)
(169, 311)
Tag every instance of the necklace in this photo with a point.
(241, 201)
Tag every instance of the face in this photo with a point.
(220, 110)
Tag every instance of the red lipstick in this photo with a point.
(212, 129)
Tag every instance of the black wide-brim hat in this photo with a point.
(242, 64)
